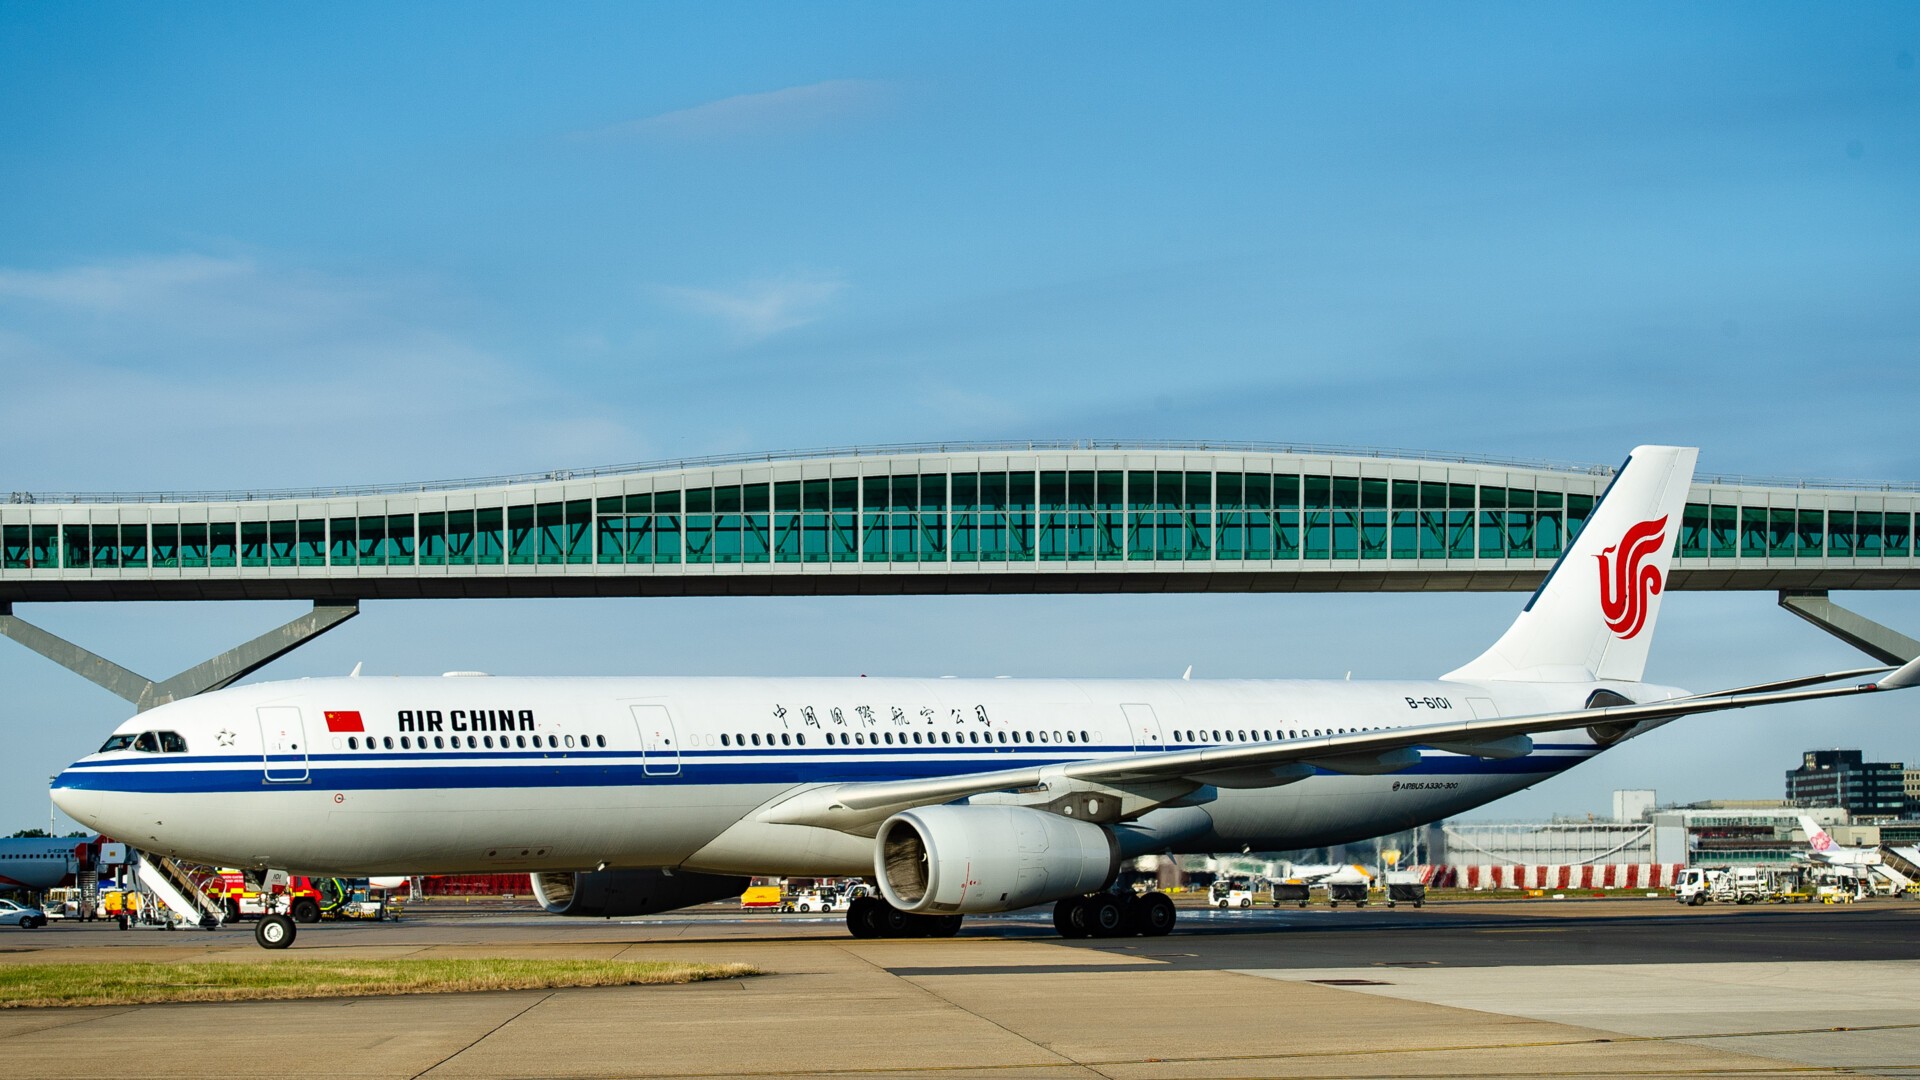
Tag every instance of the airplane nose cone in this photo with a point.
(78, 803)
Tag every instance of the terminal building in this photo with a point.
(1875, 790)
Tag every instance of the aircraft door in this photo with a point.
(1144, 726)
(659, 741)
(283, 744)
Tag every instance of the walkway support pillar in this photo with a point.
(1885, 645)
(220, 672)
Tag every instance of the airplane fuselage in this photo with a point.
(366, 776)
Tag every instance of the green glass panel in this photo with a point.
(313, 542)
(1724, 524)
(1053, 491)
(1228, 489)
(1319, 530)
(874, 493)
(253, 543)
(222, 537)
(786, 497)
(1319, 495)
(1346, 493)
(1403, 537)
(610, 535)
(399, 540)
(902, 537)
(1286, 534)
(1547, 500)
(133, 546)
(1373, 533)
(906, 493)
(1433, 495)
(166, 545)
(1020, 526)
(932, 536)
(1083, 543)
(1373, 494)
(786, 537)
(1110, 535)
(726, 500)
(196, 548)
(1841, 537)
(1230, 535)
(1460, 533)
(754, 498)
(933, 492)
(1139, 491)
(1258, 491)
(1753, 532)
(16, 547)
(1346, 532)
(1433, 534)
(106, 547)
(1493, 498)
(433, 539)
(1080, 491)
(1780, 532)
(639, 538)
(1053, 527)
(1898, 534)
(1169, 490)
(373, 541)
(966, 535)
(756, 538)
(1020, 493)
(1812, 533)
(816, 495)
(46, 546)
(1461, 496)
(579, 531)
(1168, 528)
(489, 536)
(1547, 537)
(1199, 491)
(815, 537)
(846, 536)
(726, 538)
(993, 537)
(283, 537)
(846, 494)
(966, 491)
(461, 548)
(1493, 533)
(523, 537)
(1579, 508)
(699, 536)
(1519, 531)
(698, 501)
(550, 526)
(1199, 535)
(76, 544)
(873, 536)
(666, 527)
(1140, 536)
(1868, 528)
(1259, 537)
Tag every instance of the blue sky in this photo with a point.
(363, 243)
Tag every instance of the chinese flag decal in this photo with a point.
(344, 721)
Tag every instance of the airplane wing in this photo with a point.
(856, 807)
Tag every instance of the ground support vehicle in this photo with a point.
(26, 918)
(1696, 885)
(762, 898)
(1234, 892)
(1353, 892)
(809, 900)
(1406, 892)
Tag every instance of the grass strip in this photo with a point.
(146, 983)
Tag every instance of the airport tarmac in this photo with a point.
(1536, 988)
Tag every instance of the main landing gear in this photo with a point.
(872, 917)
(1105, 915)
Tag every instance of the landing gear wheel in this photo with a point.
(305, 910)
(897, 923)
(274, 932)
(1070, 917)
(1154, 914)
(1105, 917)
(863, 917)
(943, 925)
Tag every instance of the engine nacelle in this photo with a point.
(612, 894)
(950, 860)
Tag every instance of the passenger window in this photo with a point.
(785, 739)
(726, 740)
(1083, 737)
(569, 742)
(406, 743)
(473, 742)
(487, 742)
(353, 743)
(388, 741)
(146, 743)
(520, 741)
(600, 741)
(438, 744)
(801, 738)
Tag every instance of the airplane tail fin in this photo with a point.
(1818, 838)
(1593, 617)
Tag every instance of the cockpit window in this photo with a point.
(146, 743)
(172, 743)
(116, 742)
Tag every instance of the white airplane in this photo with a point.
(40, 863)
(1825, 849)
(628, 796)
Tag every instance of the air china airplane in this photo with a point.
(628, 796)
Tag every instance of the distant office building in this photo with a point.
(1913, 793)
(1840, 778)
(1632, 805)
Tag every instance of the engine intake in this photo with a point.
(944, 860)
(613, 894)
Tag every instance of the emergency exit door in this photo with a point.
(659, 742)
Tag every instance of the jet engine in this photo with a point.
(948, 860)
(612, 894)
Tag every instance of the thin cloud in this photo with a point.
(761, 308)
(794, 108)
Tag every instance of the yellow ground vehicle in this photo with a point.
(761, 898)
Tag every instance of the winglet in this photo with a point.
(1908, 675)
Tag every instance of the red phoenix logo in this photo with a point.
(1627, 583)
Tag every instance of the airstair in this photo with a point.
(1904, 861)
(164, 880)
